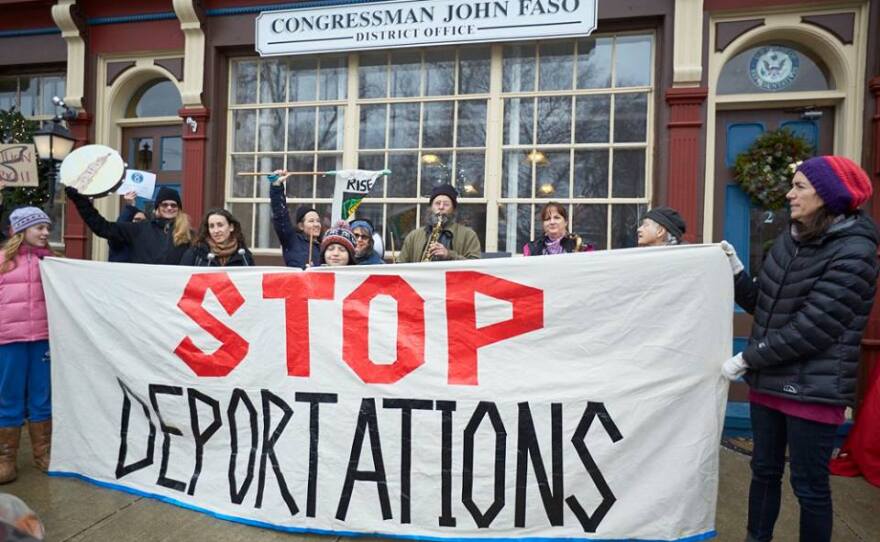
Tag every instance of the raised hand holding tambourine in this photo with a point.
(93, 170)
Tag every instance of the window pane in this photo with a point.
(373, 75)
(245, 123)
(557, 65)
(518, 118)
(630, 117)
(300, 186)
(404, 172)
(551, 179)
(403, 123)
(401, 219)
(330, 127)
(593, 119)
(303, 79)
(471, 124)
(244, 212)
(273, 81)
(470, 170)
(265, 234)
(516, 176)
(591, 223)
(473, 76)
(594, 63)
(141, 153)
(334, 78)
(519, 68)
(243, 186)
(325, 184)
(405, 77)
(439, 72)
(271, 135)
(437, 129)
(51, 87)
(8, 93)
(514, 227)
(628, 180)
(554, 119)
(372, 129)
(171, 157)
(436, 170)
(474, 217)
(624, 222)
(375, 162)
(27, 96)
(773, 68)
(158, 98)
(591, 174)
(244, 82)
(301, 129)
(267, 163)
(633, 63)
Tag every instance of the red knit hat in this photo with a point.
(840, 182)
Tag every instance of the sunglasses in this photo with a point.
(361, 236)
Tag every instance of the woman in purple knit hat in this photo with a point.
(810, 303)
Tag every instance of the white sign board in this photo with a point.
(419, 23)
(143, 183)
(568, 397)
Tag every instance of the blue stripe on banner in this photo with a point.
(253, 523)
(243, 10)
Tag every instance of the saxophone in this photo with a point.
(439, 220)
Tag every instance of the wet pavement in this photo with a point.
(73, 510)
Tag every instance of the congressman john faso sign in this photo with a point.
(415, 23)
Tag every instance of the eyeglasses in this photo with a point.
(168, 205)
(363, 236)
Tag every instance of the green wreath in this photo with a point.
(764, 171)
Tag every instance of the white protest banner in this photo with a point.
(18, 165)
(143, 183)
(557, 397)
(352, 186)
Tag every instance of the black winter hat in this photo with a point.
(445, 190)
(302, 211)
(168, 194)
(669, 219)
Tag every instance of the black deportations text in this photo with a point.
(250, 411)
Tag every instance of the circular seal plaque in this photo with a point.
(774, 68)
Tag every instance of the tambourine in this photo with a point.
(94, 170)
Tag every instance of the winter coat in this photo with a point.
(22, 303)
(119, 252)
(461, 241)
(149, 241)
(811, 303)
(198, 256)
(371, 258)
(294, 243)
(536, 248)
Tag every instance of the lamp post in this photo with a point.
(53, 143)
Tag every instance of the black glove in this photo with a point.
(73, 193)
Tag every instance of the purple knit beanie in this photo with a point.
(840, 182)
(25, 217)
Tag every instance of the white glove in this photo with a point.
(734, 367)
(735, 264)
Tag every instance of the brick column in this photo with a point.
(194, 161)
(684, 174)
(76, 235)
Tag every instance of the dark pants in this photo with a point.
(809, 446)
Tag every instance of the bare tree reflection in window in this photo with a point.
(472, 123)
(556, 60)
(554, 120)
(473, 76)
(273, 81)
(439, 72)
(330, 128)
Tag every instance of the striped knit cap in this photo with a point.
(840, 182)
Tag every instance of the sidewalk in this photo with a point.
(78, 511)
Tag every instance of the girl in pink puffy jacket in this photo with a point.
(24, 345)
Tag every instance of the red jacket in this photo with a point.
(22, 303)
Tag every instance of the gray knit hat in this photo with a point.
(25, 217)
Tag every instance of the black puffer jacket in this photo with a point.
(150, 241)
(811, 303)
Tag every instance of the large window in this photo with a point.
(512, 127)
(32, 95)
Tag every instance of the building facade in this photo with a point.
(650, 109)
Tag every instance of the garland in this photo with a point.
(764, 171)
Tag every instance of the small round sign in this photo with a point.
(774, 67)
(94, 170)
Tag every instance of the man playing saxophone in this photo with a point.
(442, 238)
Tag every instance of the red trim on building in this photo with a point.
(129, 37)
(76, 235)
(684, 175)
(38, 15)
(115, 8)
(194, 147)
